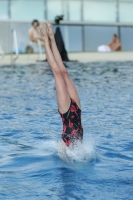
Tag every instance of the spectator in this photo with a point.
(34, 33)
(114, 45)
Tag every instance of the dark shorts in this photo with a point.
(72, 127)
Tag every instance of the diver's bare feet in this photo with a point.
(50, 31)
(44, 34)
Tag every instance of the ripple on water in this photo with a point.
(30, 131)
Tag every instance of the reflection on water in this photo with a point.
(30, 128)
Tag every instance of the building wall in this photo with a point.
(73, 10)
(87, 23)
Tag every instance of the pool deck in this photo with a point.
(80, 56)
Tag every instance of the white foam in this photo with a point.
(81, 152)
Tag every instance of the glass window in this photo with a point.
(27, 10)
(72, 43)
(22, 34)
(54, 7)
(4, 36)
(4, 9)
(97, 35)
(125, 0)
(127, 38)
(125, 12)
(99, 11)
(74, 9)
(23, 37)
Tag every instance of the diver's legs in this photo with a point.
(69, 83)
(63, 98)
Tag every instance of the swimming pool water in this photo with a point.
(30, 128)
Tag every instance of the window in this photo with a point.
(4, 36)
(54, 8)
(74, 10)
(99, 11)
(127, 38)
(27, 10)
(3, 9)
(97, 35)
(126, 12)
(72, 43)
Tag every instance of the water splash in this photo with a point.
(79, 153)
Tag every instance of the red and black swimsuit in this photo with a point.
(72, 127)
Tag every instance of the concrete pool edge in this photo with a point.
(77, 56)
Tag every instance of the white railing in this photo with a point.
(1, 54)
(15, 46)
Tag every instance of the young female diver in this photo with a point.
(67, 96)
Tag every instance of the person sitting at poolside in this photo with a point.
(34, 33)
(66, 92)
(114, 45)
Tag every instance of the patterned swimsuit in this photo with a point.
(72, 127)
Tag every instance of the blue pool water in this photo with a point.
(30, 129)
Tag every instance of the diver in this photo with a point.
(66, 92)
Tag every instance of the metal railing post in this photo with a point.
(14, 43)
